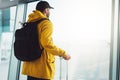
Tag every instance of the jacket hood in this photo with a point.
(35, 16)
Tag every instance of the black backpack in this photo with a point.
(26, 45)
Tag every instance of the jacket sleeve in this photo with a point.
(47, 42)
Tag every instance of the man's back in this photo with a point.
(44, 67)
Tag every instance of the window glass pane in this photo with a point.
(6, 40)
(6, 20)
(83, 29)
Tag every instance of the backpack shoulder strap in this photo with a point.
(37, 22)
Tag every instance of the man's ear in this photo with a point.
(45, 11)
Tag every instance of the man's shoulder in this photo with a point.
(47, 22)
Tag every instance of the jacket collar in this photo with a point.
(36, 15)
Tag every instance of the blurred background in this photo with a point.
(87, 29)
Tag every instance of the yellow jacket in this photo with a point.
(44, 67)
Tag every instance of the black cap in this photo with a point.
(42, 5)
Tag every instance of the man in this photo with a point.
(44, 67)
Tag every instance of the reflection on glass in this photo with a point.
(7, 17)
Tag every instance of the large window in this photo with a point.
(7, 18)
(83, 29)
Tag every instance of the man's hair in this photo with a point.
(42, 5)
